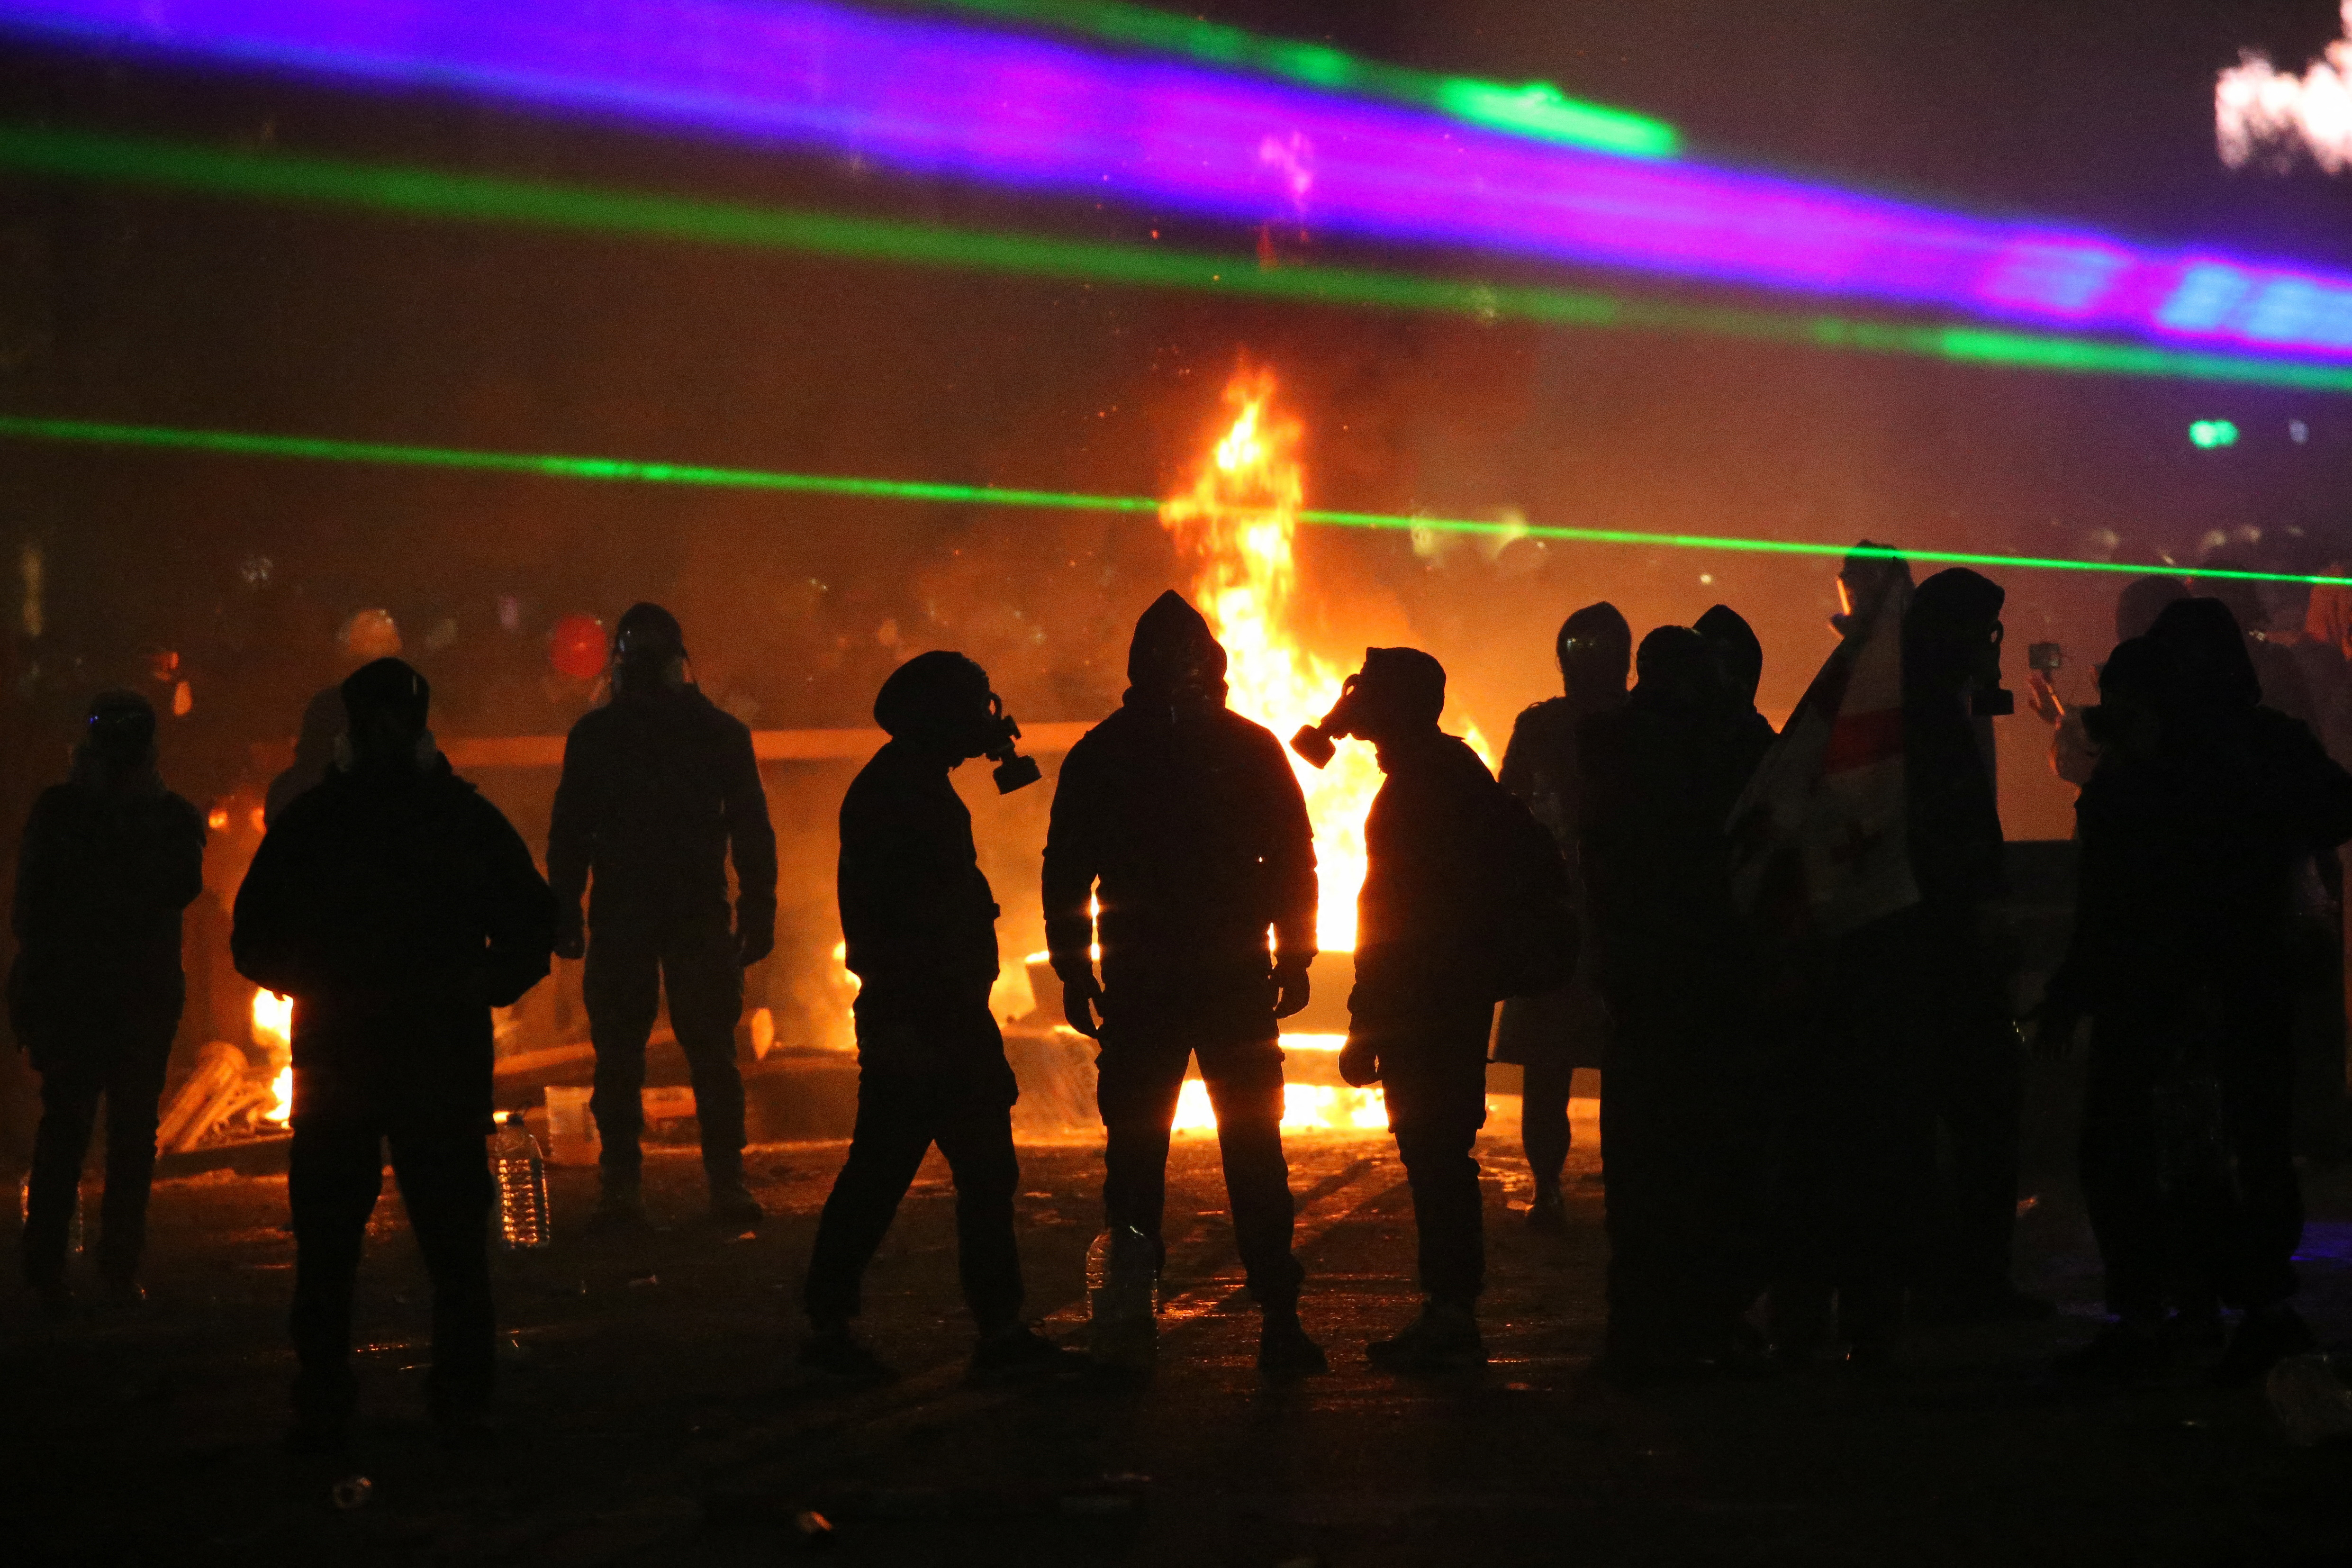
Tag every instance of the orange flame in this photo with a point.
(1306, 1108)
(273, 1029)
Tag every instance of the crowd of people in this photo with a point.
(1783, 949)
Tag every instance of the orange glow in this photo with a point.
(1306, 1108)
(281, 1103)
(218, 820)
(273, 1030)
(1237, 520)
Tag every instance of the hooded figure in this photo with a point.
(109, 860)
(659, 787)
(396, 907)
(1183, 820)
(1549, 1036)
(1681, 1159)
(920, 928)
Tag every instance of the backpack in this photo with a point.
(1536, 931)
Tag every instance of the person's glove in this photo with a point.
(754, 939)
(1291, 990)
(1360, 1062)
(571, 933)
(1079, 997)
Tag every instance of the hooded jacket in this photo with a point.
(396, 908)
(1188, 824)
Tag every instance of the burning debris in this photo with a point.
(230, 1097)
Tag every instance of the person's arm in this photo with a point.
(1518, 774)
(1072, 862)
(267, 925)
(180, 869)
(751, 839)
(34, 908)
(1290, 869)
(519, 916)
(572, 839)
(871, 883)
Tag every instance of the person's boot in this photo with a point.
(619, 1202)
(1444, 1338)
(1548, 1214)
(2265, 1336)
(1285, 1351)
(731, 1203)
(1018, 1350)
(831, 1353)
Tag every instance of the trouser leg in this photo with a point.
(1446, 1208)
(622, 987)
(335, 1175)
(2258, 1108)
(885, 1149)
(2118, 1167)
(134, 1091)
(1981, 1100)
(978, 1143)
(705, 982)
(1245, 1090)
(69, 1095)
(445, 1184)
(1137, 1081)
(1543, 1116)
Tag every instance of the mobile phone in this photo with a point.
(2046, 656)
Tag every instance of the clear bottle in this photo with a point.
(24, 1210)
(1122, 1299)
(522, 1176)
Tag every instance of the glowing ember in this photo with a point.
(1306, 1108)
(1237, 521)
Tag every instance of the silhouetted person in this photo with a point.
(2074, 754)
(314, 752)
(920, 927)
(659, 786)
(109, 860)
(1551, 1036)
(1430, 926)
(2264, 797)
(396, 907)
(1185, 821)
(1738, 656)
(1679, 1136)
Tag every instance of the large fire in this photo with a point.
(273, 1030)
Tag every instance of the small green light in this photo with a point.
(2208, 434)
(237, 443)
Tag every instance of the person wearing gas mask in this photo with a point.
(1551, 1036)
(396, 907)
(1446, 849)
(1679, 1132)
(659, 786)
(109, 860)
(920, 928)
(1184, 820)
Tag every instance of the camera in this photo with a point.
(2046, 656)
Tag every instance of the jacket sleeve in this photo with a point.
(1289, 863)
(572, 830)
(1072, 862)
(751, 836)
(180, 868)
(518, 913)
(875, 882)
(1518, 774)
(39, 867)
(267, 930)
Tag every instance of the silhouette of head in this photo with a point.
(1595, 650)
(1175, 658)
(1863, 581)
(2244, 598)
(1676, 671)
(1951, 639)
(1400, 692)
(118, 742)
(2134, 686)
(1739, 656)
(385, 704)
(648, 650)
(938, 702)
(2212, 673)
(2142, 600)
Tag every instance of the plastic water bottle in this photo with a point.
(522, 1187)
(1122, 1299)
(24, 1210)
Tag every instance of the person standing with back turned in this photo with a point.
(659, 785)
(1185, 820)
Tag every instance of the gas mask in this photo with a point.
(1318, 743)
(999, 735)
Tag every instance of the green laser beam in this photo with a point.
(1538, 109)
(235, 443)
(483, 198)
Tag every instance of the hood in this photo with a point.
(1173, 640)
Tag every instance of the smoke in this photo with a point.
(2263, 116)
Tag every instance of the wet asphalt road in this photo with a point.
(650, 1415)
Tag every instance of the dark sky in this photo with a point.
(142, 306)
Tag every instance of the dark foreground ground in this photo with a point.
(650, 1416)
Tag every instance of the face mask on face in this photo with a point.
(999, 736)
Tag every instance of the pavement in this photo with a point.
(649, 1413)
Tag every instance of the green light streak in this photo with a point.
(426, 194)
(1538, 109)
(625, 470)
